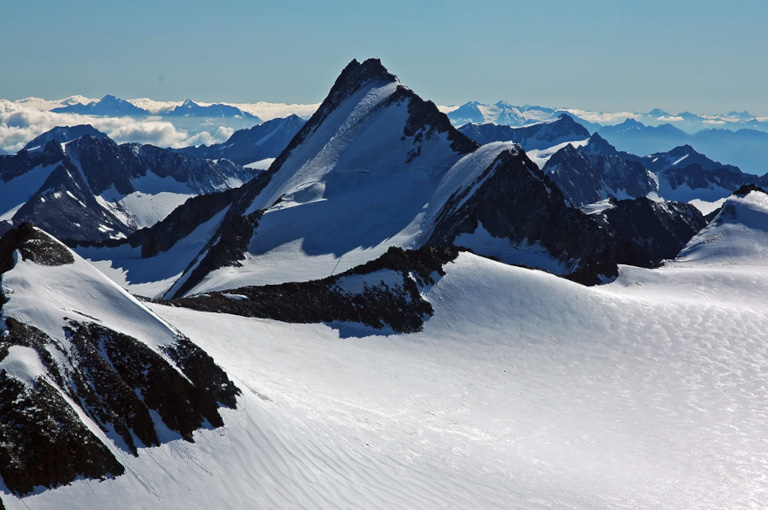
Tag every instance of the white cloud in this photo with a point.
(671, 118)
(22, 121)
(601, 117)
(151, 131)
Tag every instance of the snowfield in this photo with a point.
(524, 390)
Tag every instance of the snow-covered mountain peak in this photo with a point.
(368, 125)
(47, 284)
(64, 134)
(88, 374)
(376, 167)
(738, 235)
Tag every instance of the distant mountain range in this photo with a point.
(111, 106)
(597, 171)
(108, 105)
(191, 109)
(737, 137)
(745, 148)
(503, 113)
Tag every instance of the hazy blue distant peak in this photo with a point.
(190, 108)
(745, 115)
(658, 112)
(108, 105)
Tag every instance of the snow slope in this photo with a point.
(150, 276)
(46, 295)
(523, 391)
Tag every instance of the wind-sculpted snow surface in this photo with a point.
(524, 390)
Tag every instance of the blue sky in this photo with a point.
(706, 57)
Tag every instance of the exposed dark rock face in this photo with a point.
(515, 200)
(226, 248)
(586, 177)
(116, 380)
(426, 121)
(44, 443)
(34, 245)
(245, 146)
(369, 300)
(182, 406)
(107, 164)
(746, 189)
(696, 176)
(659, 229)
(537, 136)
(599, 145)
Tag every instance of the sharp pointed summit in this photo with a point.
(377, 167)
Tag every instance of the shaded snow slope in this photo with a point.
(255, 144)
(150, 276)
